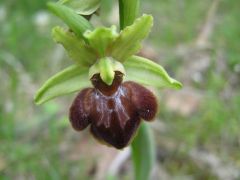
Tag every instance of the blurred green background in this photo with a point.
(197, 130)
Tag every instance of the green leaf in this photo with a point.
(106, 67)
(76, 23)
(149, 73)
(100, 38)
(72, 79)
(128, 11)
(81, 53)
(84, 7)
(143, 152)
(129, 41)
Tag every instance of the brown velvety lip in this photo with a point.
(113, 112)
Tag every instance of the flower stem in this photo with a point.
(128, 12)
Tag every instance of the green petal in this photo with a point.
(129, 41)
(76, 48)
(73, 78)
(106, 67)
(149, 73)
(84, 7)
(143, 152)
(76, 23)
(100, 38)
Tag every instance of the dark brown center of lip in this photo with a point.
(103, 87)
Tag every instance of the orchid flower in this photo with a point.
(108, 75)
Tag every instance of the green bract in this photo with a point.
(83, 7)
(76, 23)
(101, 50)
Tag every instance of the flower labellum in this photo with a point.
(113, 112)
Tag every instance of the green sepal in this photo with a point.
(106, 67)
(76, 23)
(71, 79)
(83, 7)
(143, 152)
(76, 48)
(148, 73)
(129, 41)
(100, 38)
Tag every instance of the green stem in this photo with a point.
(128, 12)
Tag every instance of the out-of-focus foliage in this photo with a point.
(38, 142)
